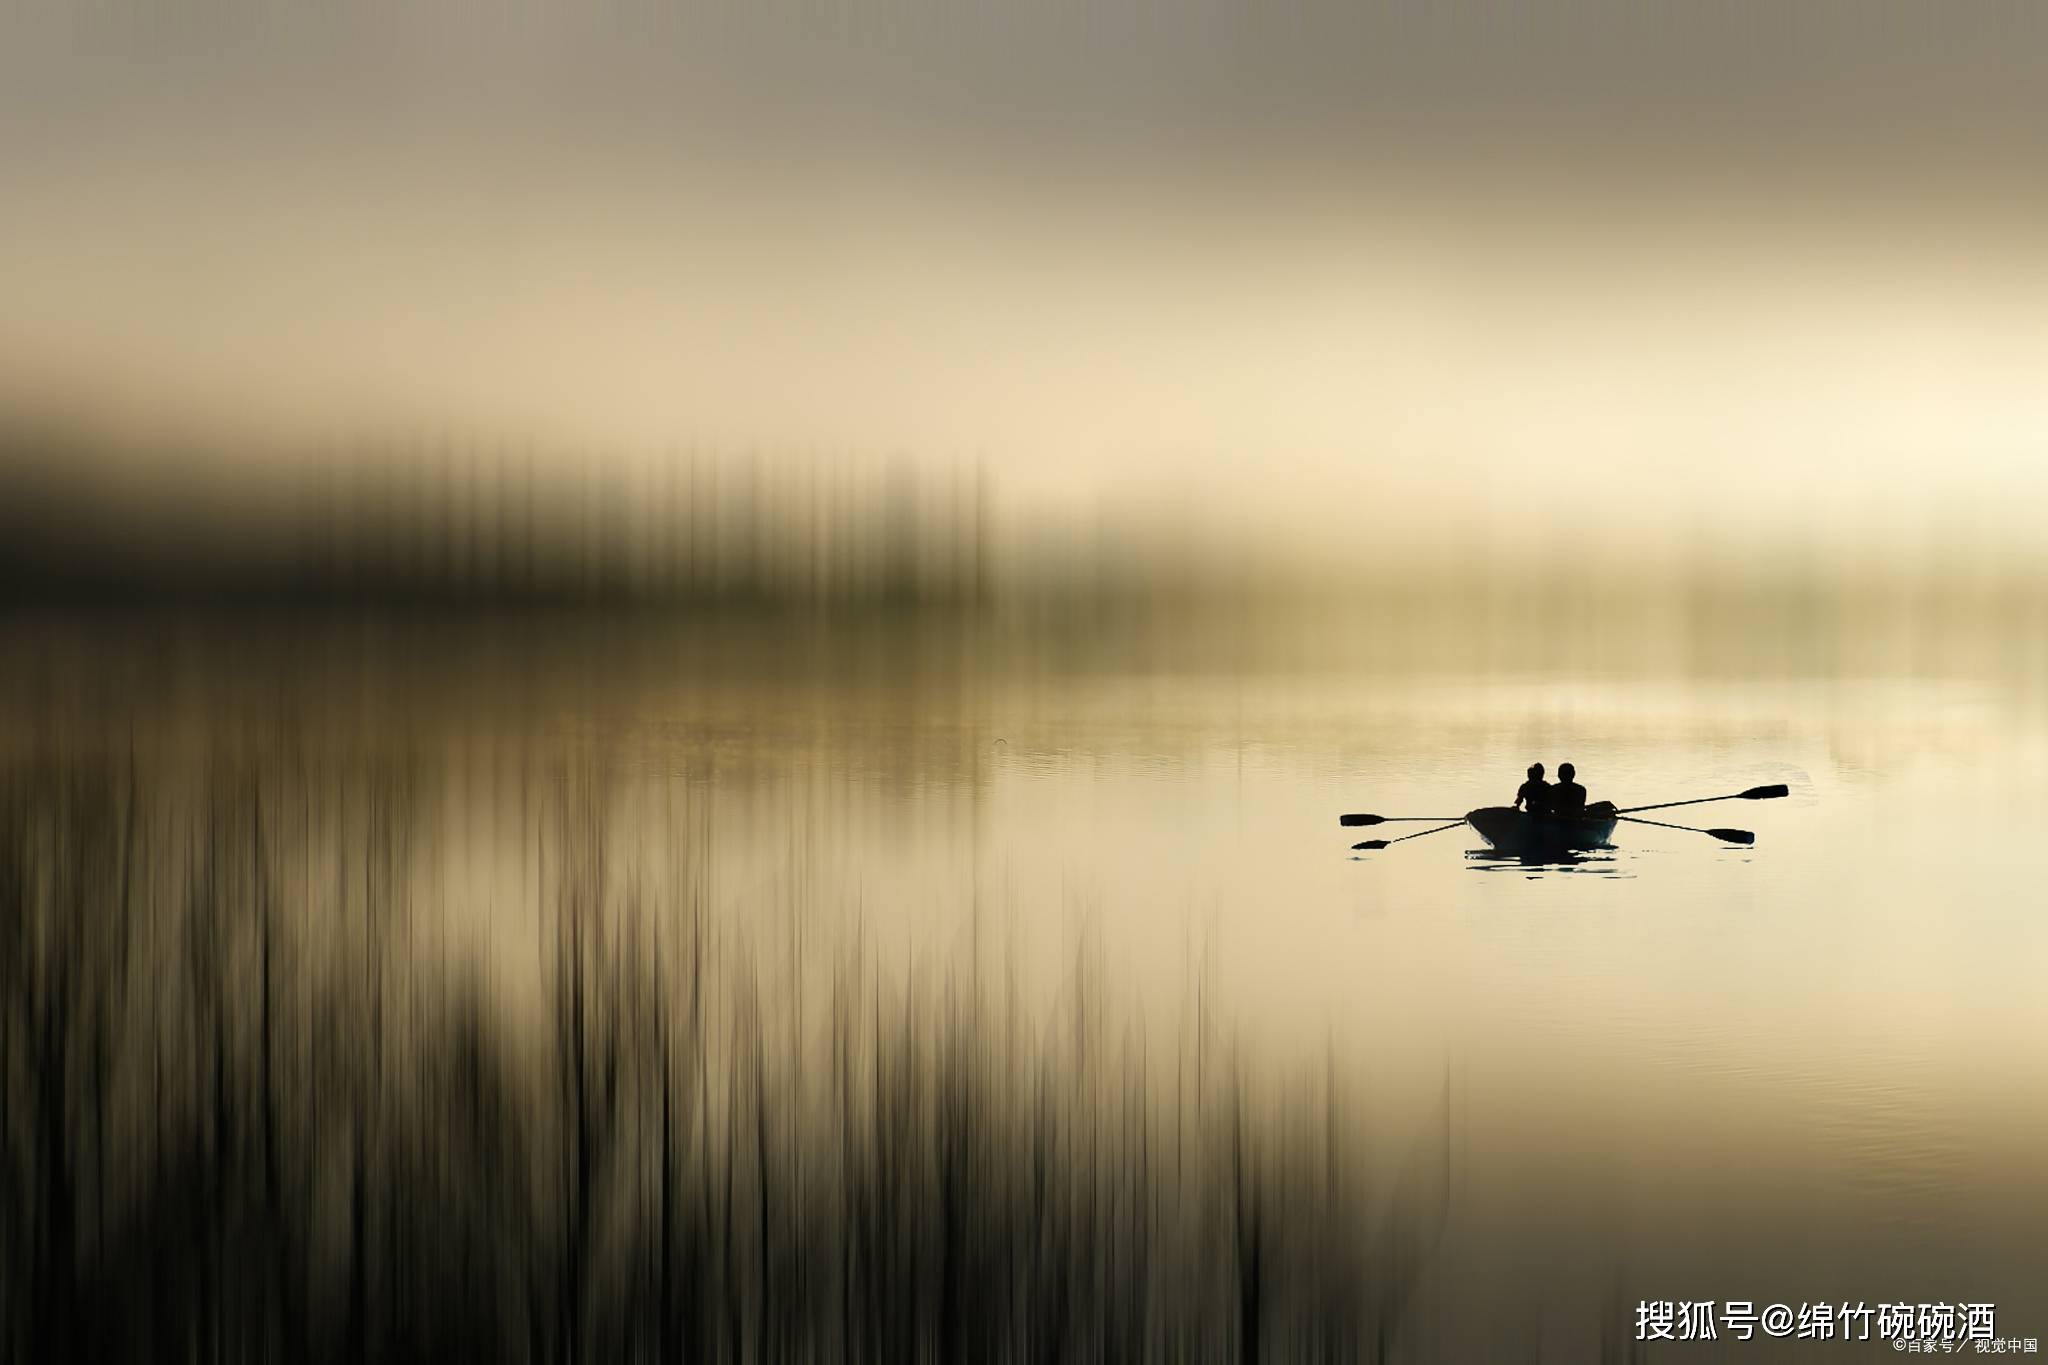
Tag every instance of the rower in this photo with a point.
(1534, 795)
(1567, 797)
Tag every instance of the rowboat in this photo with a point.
(1517, 833)
(1514, 831)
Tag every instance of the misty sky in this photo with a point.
(1307, 261)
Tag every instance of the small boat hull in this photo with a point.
(1512, 831)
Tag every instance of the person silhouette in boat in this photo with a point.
(1567, 797)
(1534, 795)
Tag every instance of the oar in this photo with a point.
(1753, 794)
(1387, 819)
(1383, 843)
(1733, 836)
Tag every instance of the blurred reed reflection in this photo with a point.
(254, 1107)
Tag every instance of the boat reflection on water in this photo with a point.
(1607, 862)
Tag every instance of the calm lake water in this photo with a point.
(1805, 1070)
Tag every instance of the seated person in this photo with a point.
(1534, 795)
(1567, 797)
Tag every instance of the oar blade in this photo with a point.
(1734, 836)
(1350, 820)
(1370, 844)
(1776, 789)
